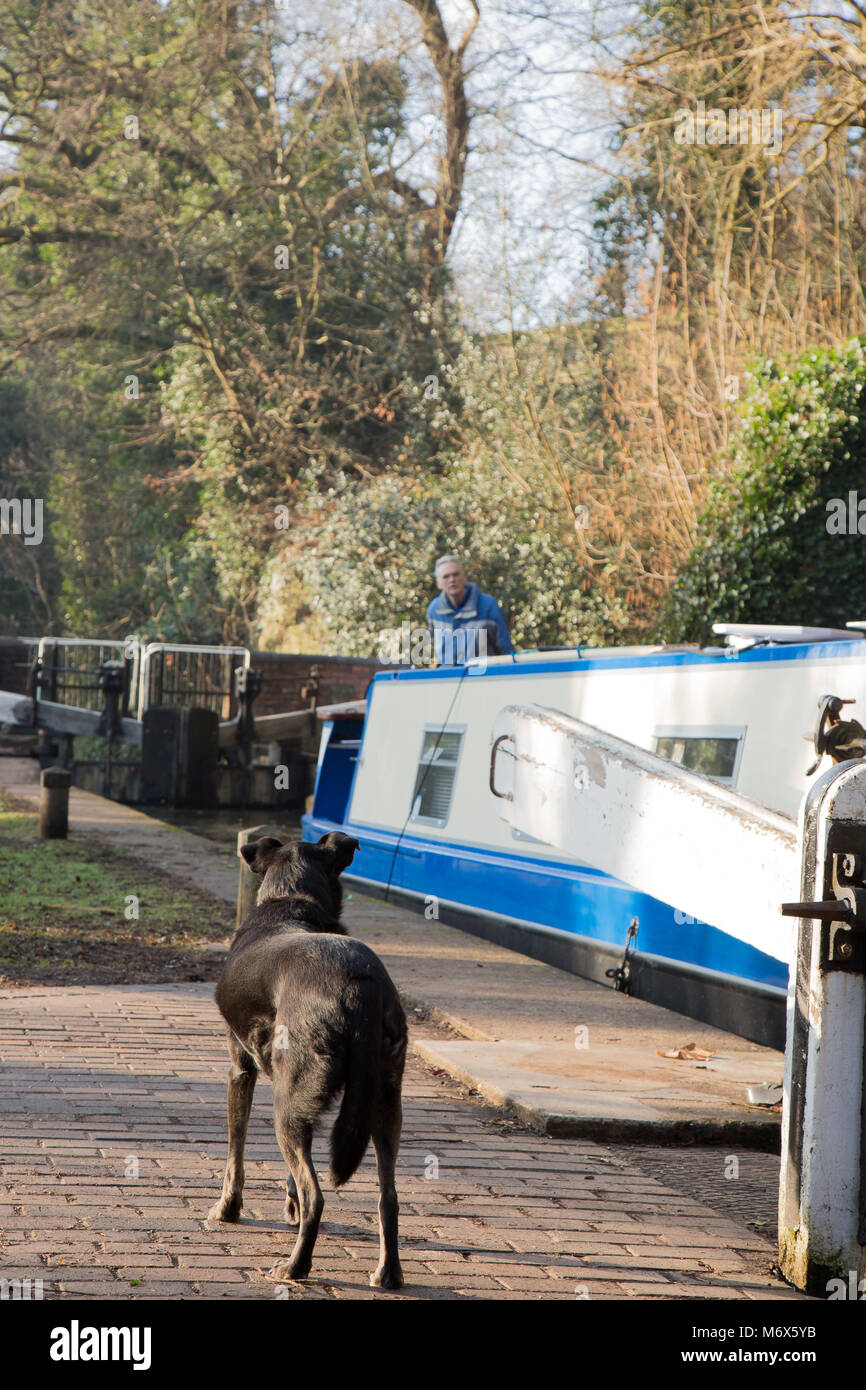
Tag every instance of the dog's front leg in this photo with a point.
(242, 1084)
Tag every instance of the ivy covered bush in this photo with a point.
(780, 539)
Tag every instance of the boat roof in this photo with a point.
(749, 642)
(777, 632)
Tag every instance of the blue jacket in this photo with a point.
(476, 607)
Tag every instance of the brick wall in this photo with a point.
(284, 676)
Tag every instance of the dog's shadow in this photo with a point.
(278, 1227)
(325, 1286)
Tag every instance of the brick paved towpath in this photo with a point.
(112, 1117)
(513, 1021)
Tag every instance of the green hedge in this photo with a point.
(773, 544)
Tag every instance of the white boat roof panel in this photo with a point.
(776, 632)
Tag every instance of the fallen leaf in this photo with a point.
(688, 1053)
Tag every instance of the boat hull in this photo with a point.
(577, 919)
(420, 788)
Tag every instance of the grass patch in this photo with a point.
(67, 914)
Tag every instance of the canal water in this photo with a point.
(223, 826)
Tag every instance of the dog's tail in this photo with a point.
(353, 1126)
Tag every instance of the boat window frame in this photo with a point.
(460, 729)
(705, 731)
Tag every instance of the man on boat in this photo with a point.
(462, 608)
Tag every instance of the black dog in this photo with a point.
(318, 1013)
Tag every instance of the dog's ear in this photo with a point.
(341, 848)
(259, 854)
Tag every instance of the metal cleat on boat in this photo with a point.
(843, 739)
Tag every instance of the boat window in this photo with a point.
(713, 752)
(434, 780)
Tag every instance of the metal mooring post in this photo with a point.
(822, 1195)
(112, 680)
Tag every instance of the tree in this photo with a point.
(217, 270)
(779, 540)
(732, 225)
(529, 493)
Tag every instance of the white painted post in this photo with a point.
(822, 1196)
(248, 882)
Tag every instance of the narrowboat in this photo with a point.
(410, 775)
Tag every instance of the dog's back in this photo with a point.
(320, 1014)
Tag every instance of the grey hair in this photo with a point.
(447, 560)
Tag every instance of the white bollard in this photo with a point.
(822, 1195)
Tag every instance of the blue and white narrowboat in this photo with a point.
(425, 776)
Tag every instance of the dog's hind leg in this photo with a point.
(295, 1140)
(386, 1140)
(292, 1209)
(242, 1084)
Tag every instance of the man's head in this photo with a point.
(451, 578)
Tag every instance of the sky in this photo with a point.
(539, 141)
(540, 134)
